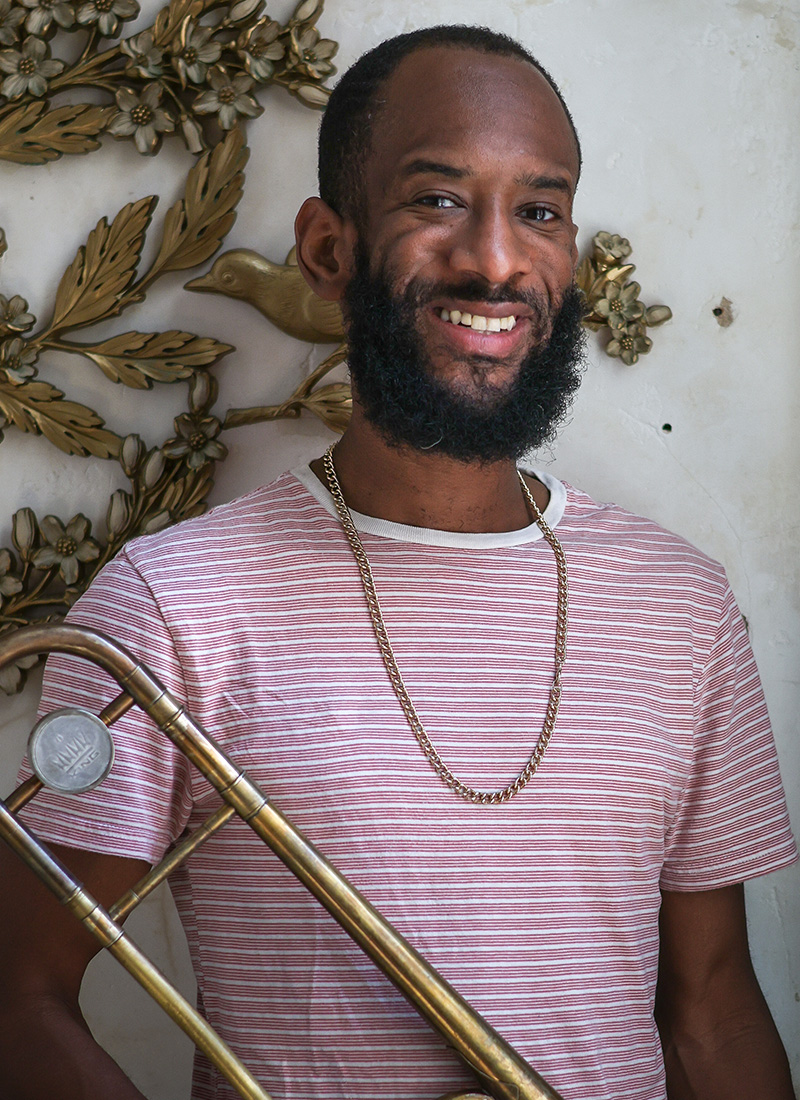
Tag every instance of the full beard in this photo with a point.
(400, 395)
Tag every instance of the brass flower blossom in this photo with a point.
(610, 248)
(146, 60)
(620, 305)
(14, 316)
(259, 48)
(107, 15)
(311, 54)
(142, 117)
(228, 99)
(196, 441)
(629, 343)
(28, 69)
(10, 18)
(67, 546)
(193, 52)
(17, 359)
(44, 12)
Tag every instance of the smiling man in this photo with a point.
(526, 725)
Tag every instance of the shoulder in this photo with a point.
(620, 559)
(615, 534)
(199, 561)
(272, 514)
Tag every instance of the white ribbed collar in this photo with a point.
(466, 540)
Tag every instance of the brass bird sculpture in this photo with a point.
(279, 291)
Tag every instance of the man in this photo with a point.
(553, 819)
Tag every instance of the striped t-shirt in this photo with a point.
(542, 912)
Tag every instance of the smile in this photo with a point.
(478, 322)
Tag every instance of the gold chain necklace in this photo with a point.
(385, 647)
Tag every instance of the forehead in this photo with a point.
(486, 110)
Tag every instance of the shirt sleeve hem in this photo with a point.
(688, 881)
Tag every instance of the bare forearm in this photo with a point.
(747, 1059)
(716, 1029)
(47, 1051)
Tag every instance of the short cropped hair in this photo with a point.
(345, 135)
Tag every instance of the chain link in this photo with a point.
(385, 647)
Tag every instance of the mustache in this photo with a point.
(477, 289)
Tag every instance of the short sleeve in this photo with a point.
(144, 803)
(732, 823)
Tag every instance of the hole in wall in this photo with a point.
(724, 312)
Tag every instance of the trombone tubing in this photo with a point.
(503, 1072)
(113, 937)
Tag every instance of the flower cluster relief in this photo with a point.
(196, 72)
(612, 299)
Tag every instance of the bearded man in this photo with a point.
(526, 725)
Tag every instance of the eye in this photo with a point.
(436, 202)
(536, 213)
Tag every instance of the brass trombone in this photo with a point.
(72, 750)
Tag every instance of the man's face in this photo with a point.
(468, 218)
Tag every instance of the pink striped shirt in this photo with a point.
(542, 912)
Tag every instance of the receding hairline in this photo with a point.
(380, 98)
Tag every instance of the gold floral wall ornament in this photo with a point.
(196, 71)
(612, 299)
(196, 68)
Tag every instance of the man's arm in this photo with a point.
(718, 1035)
(46, 1049)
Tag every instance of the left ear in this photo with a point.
(325, 248)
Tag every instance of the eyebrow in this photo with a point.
(434, 168)
(422, 167)
(545, 183)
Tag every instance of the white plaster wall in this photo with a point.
(687, 112)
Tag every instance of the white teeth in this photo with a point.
(477, 322)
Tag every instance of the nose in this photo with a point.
(492, 246)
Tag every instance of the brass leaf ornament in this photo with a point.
(31, 134)
(196, 72)
(94, 285)
(52, 561)
(138, 359)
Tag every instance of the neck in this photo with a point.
(426, 489)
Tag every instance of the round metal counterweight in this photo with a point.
(71, 750)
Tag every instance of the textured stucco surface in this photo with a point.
(687, 113)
